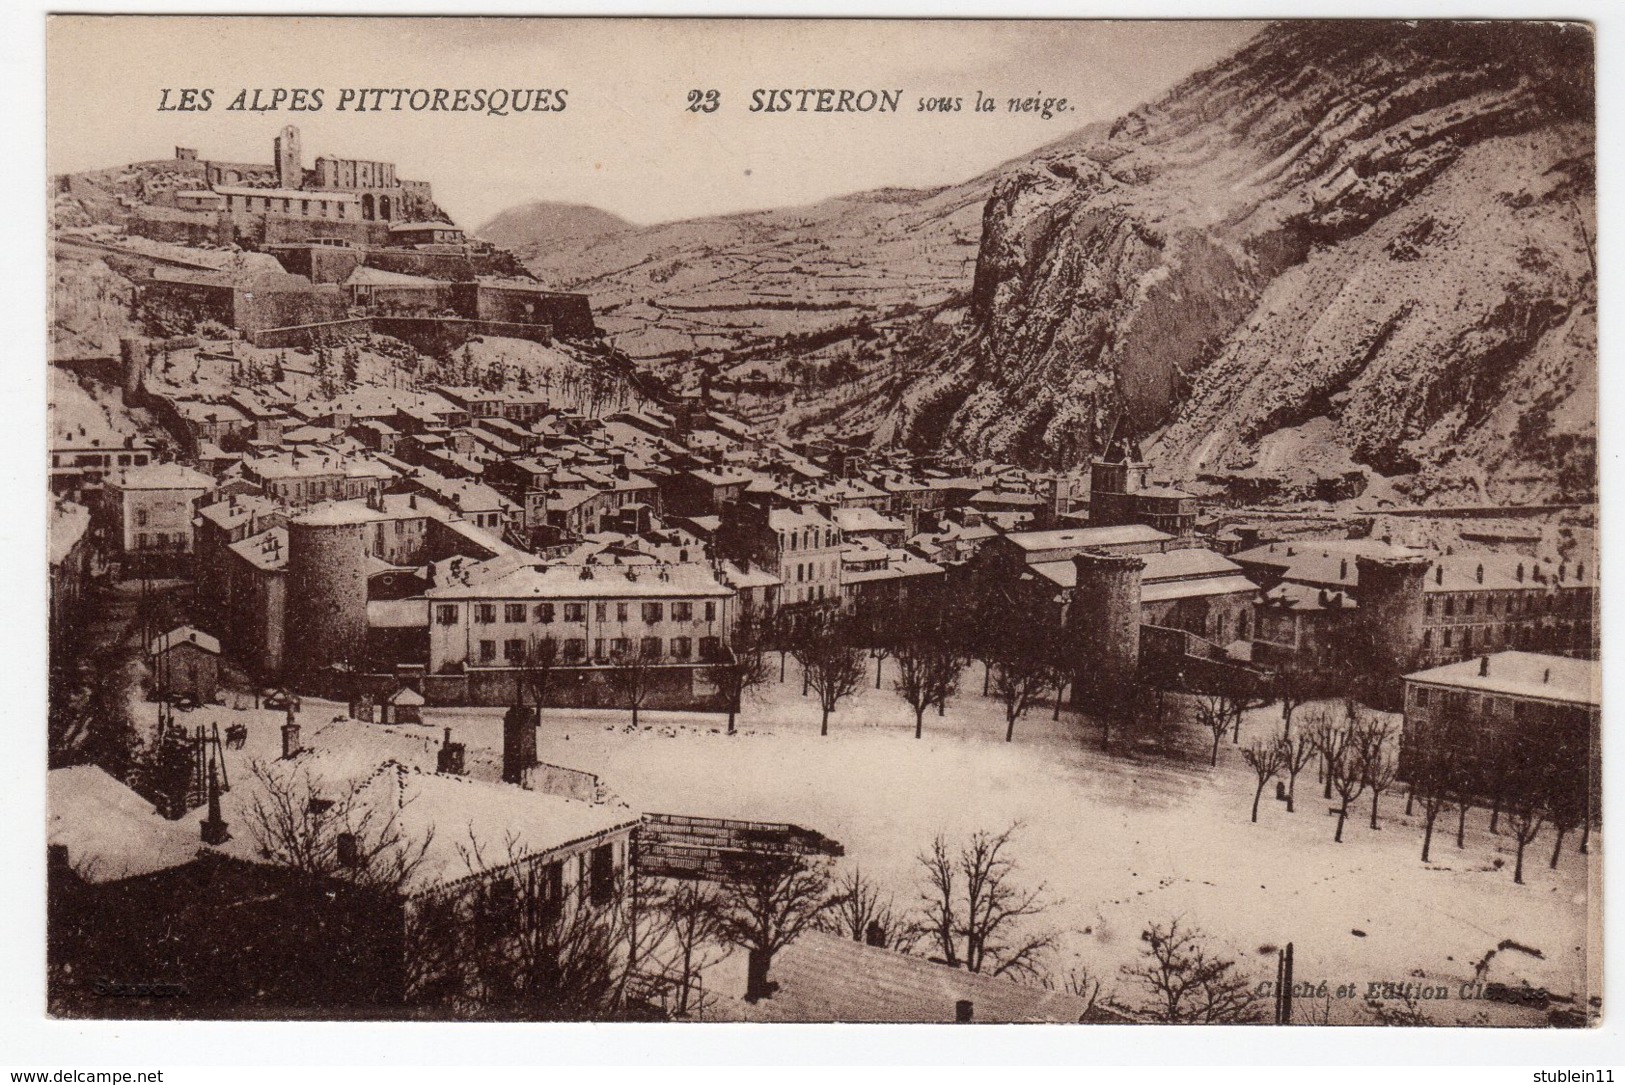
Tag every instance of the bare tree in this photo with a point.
(693, 942)
(1567, 779)
(1085, 985)
(1213, 714)
(859, 911)
(747, 667)
(976, 914)
(633, 678)
(1189, 985)
(831, 667)
(537, 672)
(1345, 768)
(1018, 683)
(1297, 752)
(1374, 737)
(1524, 789)
(928, 669)
(512, 941)
(345, 830)
(1293, 686)
(767, 902)
(1432, 753)
(1266, 760)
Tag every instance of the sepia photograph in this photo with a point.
(793, 521)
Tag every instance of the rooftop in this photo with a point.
(682, 580)
(1522, 674)
(162, 476)
(825, 977)
(1084, 537)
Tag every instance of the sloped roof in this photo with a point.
(1523, 674)
(180, 635)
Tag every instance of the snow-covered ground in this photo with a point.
(1119, 841)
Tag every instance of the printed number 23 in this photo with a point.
(703, 101)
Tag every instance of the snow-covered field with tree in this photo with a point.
(1120, 840)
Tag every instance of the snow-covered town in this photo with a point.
(419, 652)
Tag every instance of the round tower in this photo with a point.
(327, 587)
(1106, 628)
(1390, 619)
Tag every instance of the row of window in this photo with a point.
(516, 653)
(268, 203)
(1528, 602)
(158, 540)
(1494, 637)
(811, 538)
(546, 613)
(811, 570)
(102, 459)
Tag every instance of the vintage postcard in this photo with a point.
(823, 521)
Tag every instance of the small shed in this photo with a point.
(405, 705)
(186, 663)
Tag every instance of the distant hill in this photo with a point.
(541, 224)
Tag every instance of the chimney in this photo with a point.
(1562, 571)
(1480, 573)
(450, 758)
(518, 743)
(1438, 574)
(1343, 569)
(1547, 677)
(1484, 667)
(1520, 572)
(964, 1011)
(290, 740)
(214, 826)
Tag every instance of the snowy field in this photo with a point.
(1119, 841)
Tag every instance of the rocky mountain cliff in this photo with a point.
(1350, 252)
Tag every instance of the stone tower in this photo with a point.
(1105, 627)
(327, 588)
(1390, 621)
(290, 163)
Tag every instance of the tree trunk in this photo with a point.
(1517, 871)
(1214, 760)
(1010, 727)
(1427, 835)
(1058, 691)
(942, 706)
(781, 666)
(823, 728)
(880, 661)
(1558, 850)
(1461, 824)
(1259, 794)
(1374, 797)
(1291, 793)
(919, 721)
(634, 715)
(1342, 816)
(806, 680)
(1410, 800)
(731, 713)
